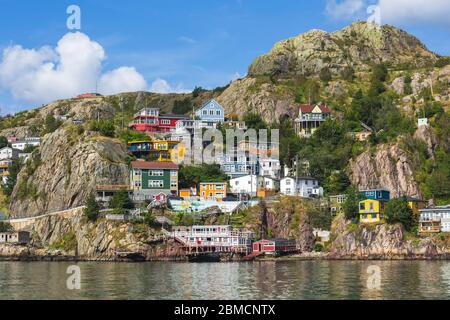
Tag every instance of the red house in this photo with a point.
(149, 120)
(275, 246)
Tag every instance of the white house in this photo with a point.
(8, 153)
(250, 184)
(270, 168)
(211, 111)
(22, 144)
(301, 186)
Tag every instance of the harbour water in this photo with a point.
(249, 280)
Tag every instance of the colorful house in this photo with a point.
(376, 194)
(371, 210)
(310, 118)
(416, 205)
(434, 220)
(158, 150)
(149, 179)
(215, 191)
(211, 111)
(150, 120)
(337, 203)
(275, 246)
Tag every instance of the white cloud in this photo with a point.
(162, 86)
(72, 67)
(415, 11)
(124, 79)
(187, 40)
(410, 12)
(345, 9)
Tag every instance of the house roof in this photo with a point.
(208, 102)
(307, 108)
(154, 165)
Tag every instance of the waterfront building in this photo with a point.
(211, 111)
(302, 186)
(310, 118)
(275, 246)
(149, 179)
(223, 238)
(434, 220)
(17, 237)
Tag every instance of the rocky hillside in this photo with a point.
(65, 170)
(382, 241)
(358, 45)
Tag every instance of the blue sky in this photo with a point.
(189, 43)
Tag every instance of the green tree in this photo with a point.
(14, 170)
(191, 176)
(5, 227)
(337, 182)
(120, 202)
(92, 210)
(182, 106)
(50, 124)
(106, 128)
(398, 211)
(3, 142)
(351, 204)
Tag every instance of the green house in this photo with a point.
(153, 179)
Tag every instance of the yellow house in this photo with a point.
(158, 150)
(371, 210)
(215, 191)
(416, 205)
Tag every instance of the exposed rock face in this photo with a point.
(65, 170)
(248, 96)
(290, 219)
(359, 45)
(378, 242)
(75, 237)
(426, 134)
(389, 167)
(398, 85)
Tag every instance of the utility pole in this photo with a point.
(296, 175)
(121, 107)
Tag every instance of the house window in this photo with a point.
(288, 182)
(173, 173)
(218, 112)
(156, 173)
(156, 184)
(165, 121)
(288, 191)
(362, 206)
(211, 112)
(371, 206)
(173, 184)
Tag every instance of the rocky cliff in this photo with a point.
(65, 170)
(57, 237)
(387, 167)
(289, 219)
(357, 45)
(381, 241)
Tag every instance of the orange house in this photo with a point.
(215, 191)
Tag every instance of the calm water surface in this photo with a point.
(252, 280)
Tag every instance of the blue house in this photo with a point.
(211, 111)
(376, 194)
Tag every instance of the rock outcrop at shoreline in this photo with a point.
(56, 237)
(380, 241)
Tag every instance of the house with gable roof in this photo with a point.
(211, 111)
(310, 118)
